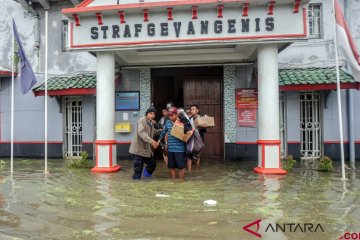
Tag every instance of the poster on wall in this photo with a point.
(127, 101)
(246, 98)
(246, 117)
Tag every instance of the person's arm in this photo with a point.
(164, 131)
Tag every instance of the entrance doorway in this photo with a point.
(202, 86)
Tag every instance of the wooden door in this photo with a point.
(163, 92)
(206, 92)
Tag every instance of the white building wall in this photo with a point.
(331, 128)
(293, 116)
(29, 110)
(321, 53)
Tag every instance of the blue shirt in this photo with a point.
(174, 144)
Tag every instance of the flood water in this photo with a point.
(78, 204)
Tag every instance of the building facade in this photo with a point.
(103, 53)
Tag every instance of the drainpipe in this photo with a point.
(37, 31)
(37, 37)
(350, 111)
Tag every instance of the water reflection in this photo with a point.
(106, 210)
(8, 217)
(271, 206)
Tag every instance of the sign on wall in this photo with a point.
(246, 117)
(246, 98)
(184, 24)
(127, 101)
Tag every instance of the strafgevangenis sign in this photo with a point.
(156, 27)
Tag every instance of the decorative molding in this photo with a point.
(229, 104)
(296, 6)
(194, 12)
(122, 17)
(245, 10)
(99, 18)
(76, 19)
(271, 7)
(145, 89)
(146, 15)
(220, 11)
(170, 14)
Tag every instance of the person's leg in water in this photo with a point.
(138, 167)
(189, 163)
(181, 159)
(182, 173)
(197, 163)
(150, 166)
(173, 173)
(165, 160)
(172, 164)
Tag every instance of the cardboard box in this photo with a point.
(178, 132)
(204, 121)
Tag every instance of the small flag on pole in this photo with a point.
(346, 44)
(27, 76)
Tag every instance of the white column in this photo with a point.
(268, 116)
(105, 143)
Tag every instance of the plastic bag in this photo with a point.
(184, 119)
(194, 145)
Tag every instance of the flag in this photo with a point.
(346, 45)
(27, 76)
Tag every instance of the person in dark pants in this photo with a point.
(143, 144)
(194, 112)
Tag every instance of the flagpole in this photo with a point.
(46, 90)
(339, 98)
(12, 102)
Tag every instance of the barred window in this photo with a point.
(65, 36)
(314, 15)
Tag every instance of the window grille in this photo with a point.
(73, 126)
(283, 124)
(310, 125)
(315, 23)
(65, 35)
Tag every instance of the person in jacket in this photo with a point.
(143, 144)
(175, 147)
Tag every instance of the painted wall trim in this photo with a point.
(66, 92)
(84, 9)
(6, 73)
(89, 142)
(275, 37)
(31, 142)
(331, 86)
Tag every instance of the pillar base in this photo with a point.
(114, 168)
(277, 171)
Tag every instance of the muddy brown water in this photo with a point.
(78, 204)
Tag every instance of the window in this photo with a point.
(65, 35)
(310, 125)
(283, 138)
(314, 15)
(73, 126)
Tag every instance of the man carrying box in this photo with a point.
(175, 147)
(194, 110)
